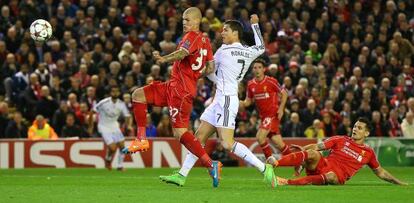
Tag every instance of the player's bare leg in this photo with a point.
(227, 140)
(285, 149)
(121, 156)
(280, 144)
(194, 146)
(204, 131)
(261, 137)
(310, 158)
(110, 151)
(139, 103)
(320, 179)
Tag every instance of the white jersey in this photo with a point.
(109, 113)
(233, 61)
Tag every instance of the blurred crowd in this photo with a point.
(338, 59)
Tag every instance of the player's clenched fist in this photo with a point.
(254, 19)
(157, 57)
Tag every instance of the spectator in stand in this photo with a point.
(293, 128)
(309, 114)
(394, 125)
(164, 128)
(345, 128)
(214, 23)
(71, 129)
(16, 128)
(41, 130)
(47, 105)
(4, 118)
(315, 130)
(407, 125)
(379, 127)
(151, 130)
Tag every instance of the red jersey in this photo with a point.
(186, 72)
(266, 95)
(348, 156)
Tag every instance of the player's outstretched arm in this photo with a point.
(174, 56)
(317, 147)
(247, 102)
(259, 48)
(385, 175)
(282, 104)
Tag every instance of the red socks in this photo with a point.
(285, 150)
(193, 145)
(140, 114)
(293, 159)
(267, 151)
(313, 180)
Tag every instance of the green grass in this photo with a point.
(143, 185)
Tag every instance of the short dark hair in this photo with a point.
(114, 87)
(259, 60)
(235, 26)
(366, 121)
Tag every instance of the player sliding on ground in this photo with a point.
(232, 62)
(347, 156)
(193, 58)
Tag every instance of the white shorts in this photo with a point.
(111, 137)
(222, 111)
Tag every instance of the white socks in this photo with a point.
(190, 160)
(244, 153)
(121, 157)
(238, 149)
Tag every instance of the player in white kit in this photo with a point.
(232, 61)
(108, 112)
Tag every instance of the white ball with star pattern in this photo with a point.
(40, 30)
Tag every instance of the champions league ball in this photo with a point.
(40, 30)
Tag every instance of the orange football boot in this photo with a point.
(138, 146)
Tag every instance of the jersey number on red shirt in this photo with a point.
(199, 60)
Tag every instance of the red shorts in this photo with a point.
(271, 124)
(180, 103)
(324, 166)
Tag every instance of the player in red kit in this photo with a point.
(347, 156)
(193, 58)
(265, 91)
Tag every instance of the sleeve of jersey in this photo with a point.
(188, 42)
(331, 142)
(373, 163)
(125, 110)
(96, 106)
(259, 48)
(276, 85)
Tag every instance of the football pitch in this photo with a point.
(237, 185)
